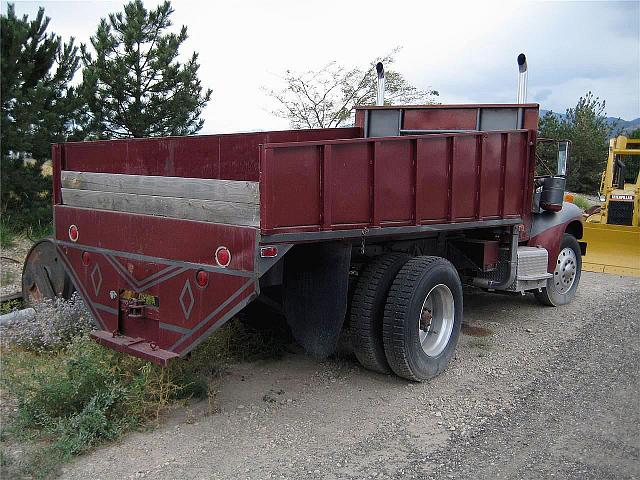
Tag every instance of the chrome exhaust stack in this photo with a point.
(522, 79)
(380, 96)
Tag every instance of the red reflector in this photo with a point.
(86, 258)
(73, 233)
(223, 256)
(202, 278)
(268, 252)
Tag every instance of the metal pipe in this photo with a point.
(380, 96)
(522, 79)
(26, 314)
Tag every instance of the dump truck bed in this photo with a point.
(315, 180)
(151, 214)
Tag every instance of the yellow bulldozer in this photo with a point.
(612, 230)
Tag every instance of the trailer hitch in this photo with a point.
(134, 308)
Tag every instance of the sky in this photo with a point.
(465, 50)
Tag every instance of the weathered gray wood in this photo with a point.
(202, 188)
(186, 208)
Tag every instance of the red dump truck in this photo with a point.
(373, 228)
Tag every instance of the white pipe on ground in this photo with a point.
(17, 316)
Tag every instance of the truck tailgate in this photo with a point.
(138, 276)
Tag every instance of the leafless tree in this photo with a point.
(327, 97)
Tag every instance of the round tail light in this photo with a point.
(202, 278)
(223, 256)
(73, 233)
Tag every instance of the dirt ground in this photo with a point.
(533, 392)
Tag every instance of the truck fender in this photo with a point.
(548, 228)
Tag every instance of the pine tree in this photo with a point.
(38, 108)
(134, 84)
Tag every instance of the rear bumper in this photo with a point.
(137, 347)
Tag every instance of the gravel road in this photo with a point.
(533, 392)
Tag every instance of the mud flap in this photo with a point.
(315, 286)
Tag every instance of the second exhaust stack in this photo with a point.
(380, 96)
(522, 79)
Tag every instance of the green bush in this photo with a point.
(581, 202)
(84, 394)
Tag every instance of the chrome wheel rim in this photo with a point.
(564, 276)
(436, 320)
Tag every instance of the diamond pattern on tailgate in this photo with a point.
(96, 279)
(186, 299)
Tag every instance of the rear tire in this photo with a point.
(422, 318)
(561, 288)
(367, 310)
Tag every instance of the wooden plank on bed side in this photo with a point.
(186, 208)
(179, 187)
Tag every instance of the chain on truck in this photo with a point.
(372, 228)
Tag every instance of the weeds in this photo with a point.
(11, 230)
(39, 231)
(10, 306)
(72, 394)
(55, 323)
(82, 395)
(7, 236)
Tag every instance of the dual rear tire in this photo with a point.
(367, 310)
(406, 315)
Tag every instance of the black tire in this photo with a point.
(550, 295)
(403, 315)
(367, 310)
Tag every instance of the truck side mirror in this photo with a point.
(563, 154)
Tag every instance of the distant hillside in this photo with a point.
(621, 126)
